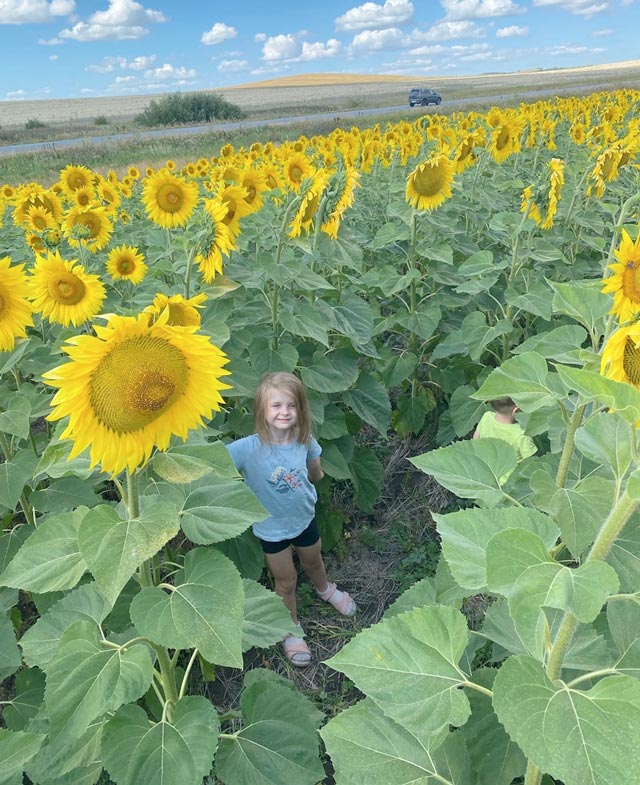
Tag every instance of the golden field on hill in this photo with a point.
(352, 90)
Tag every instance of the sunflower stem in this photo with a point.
(187, 278)
(567, 450)
(275, 298)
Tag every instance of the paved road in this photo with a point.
(236, 126)
(196, 129)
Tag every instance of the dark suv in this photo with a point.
(423, 96)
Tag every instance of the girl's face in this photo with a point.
(281, 414)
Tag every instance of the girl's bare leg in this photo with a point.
(313, 564)
(285, 577)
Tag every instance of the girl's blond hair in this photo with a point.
(290, 384)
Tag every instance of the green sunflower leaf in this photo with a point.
(137, 752)
(581, 737)
(203, 609)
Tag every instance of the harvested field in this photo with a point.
(312, 92)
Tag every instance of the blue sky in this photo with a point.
(74, 49)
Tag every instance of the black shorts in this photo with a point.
(309, 536)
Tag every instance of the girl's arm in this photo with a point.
(314, 469)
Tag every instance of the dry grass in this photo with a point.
(332, 90)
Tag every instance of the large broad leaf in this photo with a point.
(68, 762)
(332, 372)
(524, 378)
(10, 657)
(366, 471)
(472, 468)
(581, 737)
(28, 698)
(354, 317)
(87, 679)
(334, 462)
(620, 397)
(583, 301)
(50, 560)
(176, 752)
(203, 610)
(14, 475)
(465, 412)
(278, 741)
(518, 566)
(465, 534)
(189, 462)
(67, 493)
(113, 549)
(588, 650)
(219, 511)
(408, 664)
(370, 401)
(412, 411)
(245, 552)
(15, 417)
(608, 439)
(423, 321)
(85, 603)
(581, 510)
(624, 555)
(623, 618)
(16, 750)
(266, 618)
(305, 321)
(558, 344)
(495, 757)
(368, 748)
(10, 542)
(422, 593)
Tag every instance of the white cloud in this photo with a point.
(260, 38)
(169, 72)
(53, 57)
(232, 65)
(581, 7)
(16, 95)
(110, 64)
(512, 30)
(565, 49)
(448, 31)
(123, 19)
(320, 51)
(50, 41)
(21, 12)
(479, 9)
(373, 16)
(603, 33)
(377, 40)
(219, 32)
(281, 47)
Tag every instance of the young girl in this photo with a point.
(279, 463)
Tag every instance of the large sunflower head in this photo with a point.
(625, 279)
(63, 292)
(310, 196)
(621, 355)
(429, 185)
(88, 226)
(340, 196)
(218, 239)
(297, 168)
(74, 177)
(15, 309)
(132, 386)
(169, 199)
(181, 312)
(126, 263)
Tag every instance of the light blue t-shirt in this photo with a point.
(278, 475)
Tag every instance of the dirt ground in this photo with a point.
(316, 89)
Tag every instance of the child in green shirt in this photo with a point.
(501, 424)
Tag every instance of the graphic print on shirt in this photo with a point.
(284, 481)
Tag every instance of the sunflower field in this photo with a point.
(409, 274)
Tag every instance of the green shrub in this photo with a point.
(101, 120)
(34, 123)
(182, 108)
